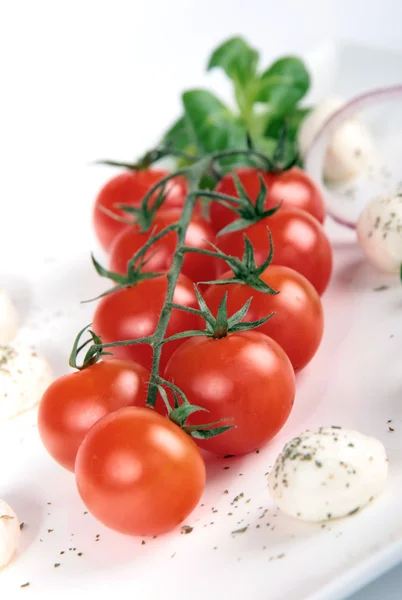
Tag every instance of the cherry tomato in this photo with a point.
(299, 241)
(73, 403)
(293, 188)
(134, 312)
(130, 187)
(245, 377)
(195, 266)
(139, 473)
(298, 322)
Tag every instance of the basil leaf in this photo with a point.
(284, 83)
(212, 125)
(266, 145)
(293, 122)
(178, 135)
(237, 59)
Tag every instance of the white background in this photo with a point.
(81, 80)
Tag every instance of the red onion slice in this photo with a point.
(345, 202)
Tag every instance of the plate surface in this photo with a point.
(240, 546)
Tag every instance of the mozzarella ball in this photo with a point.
(351, 147)
(315, 119)
(24, 377)
(8, 318)
(9, 534)
(328, 474)
(379, 232)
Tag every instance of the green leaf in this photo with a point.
(189, 309)
(293, 119)
(240, 314)
(262, 194)
(222, 281)
(76, 347)
(205, 434)
(176, 391)
(206, 313)
(179, 415)
(248, 256)
(165, 398)
(185, 334)
(241, 192)
(284, 83)
(213, 126)
(130, 210)
(179, 136)
(236, 226)
(221, 323)
(266, 145)
(176, 399)
(237, 59)
(251, 324)
(258, 284)
(270, 256)
(116, 277)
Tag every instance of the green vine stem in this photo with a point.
(194, 174)
(149, 158)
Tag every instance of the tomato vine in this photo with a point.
(244, 271)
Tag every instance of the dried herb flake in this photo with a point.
(242, 530)
(186, 529)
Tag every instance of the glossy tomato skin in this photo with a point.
(195, 266)
(134, 312)
(130, 188)
(294, 188)
(245, 377)
(138, 473)
(300, 243)
(298, 322)
(73, 403)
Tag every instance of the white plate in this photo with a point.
(355, 381)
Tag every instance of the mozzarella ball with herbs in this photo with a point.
(9, 534)
(328, 474)
(24, 377)
(379, 232)
(8, 318)
(351, 147)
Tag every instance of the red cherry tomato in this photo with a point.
(73, 403)
(133, 312)
(139, 473)
(299, 240)
(294, 188)
(130, 188)
(195, 266)
(245, 377)
(298, 322)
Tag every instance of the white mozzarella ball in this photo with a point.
(379, 232)
(315, 119)
(351, 147)
(9, 534)
(328, 474)
(8, 318)
(24, 377)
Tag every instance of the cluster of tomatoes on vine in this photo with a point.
(188, 267)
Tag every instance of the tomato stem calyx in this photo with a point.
(133, 276)
(93, 354)
(181, 412)
(245, 271)
(221, 325)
